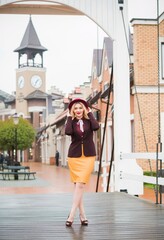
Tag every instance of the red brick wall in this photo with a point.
(146, 74)
(145, 54)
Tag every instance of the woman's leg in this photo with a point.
(77, 200)
(81, 210)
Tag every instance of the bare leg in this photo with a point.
(81, 210)
(77, 200)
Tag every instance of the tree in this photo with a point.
(25, 135)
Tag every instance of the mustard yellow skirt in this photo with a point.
(81, 168)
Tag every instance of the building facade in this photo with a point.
(146, 69)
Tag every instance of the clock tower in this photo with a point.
(31, 84)
(30, 74)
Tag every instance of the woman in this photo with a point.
(81, 154)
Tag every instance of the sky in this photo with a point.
(70, 41)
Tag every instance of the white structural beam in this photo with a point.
(100, 11)
(144, 155)
(38, 9)
(107, 14)
(143, 179)
(122, 125)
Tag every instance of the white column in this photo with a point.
(122, 128)
(121, 91)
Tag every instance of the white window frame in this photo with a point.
(161, 59)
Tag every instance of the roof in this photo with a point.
(56, 96)
(108, 42)
(97, 58)
(6, 97)
(30, 39)
(37, 94)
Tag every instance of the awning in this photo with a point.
(40, 130)
(94, 99)
(106, 92)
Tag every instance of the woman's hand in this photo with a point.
(68, 114)
(89, 109)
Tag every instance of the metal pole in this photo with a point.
(104, 132)
(16, 157)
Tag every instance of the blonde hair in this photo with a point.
(85, 113)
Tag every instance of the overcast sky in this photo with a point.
(70, 41)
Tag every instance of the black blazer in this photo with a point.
(90, 125)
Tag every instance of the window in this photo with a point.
(106, 86)
(105, 90)
(95, 93)
(162, 60)
(95, 72)
(106, 63)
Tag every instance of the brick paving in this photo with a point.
(52, 179)
(49, 179)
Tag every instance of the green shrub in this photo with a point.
(152, 174)
(148, 173)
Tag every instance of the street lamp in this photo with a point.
(16, 121)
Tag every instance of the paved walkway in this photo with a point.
(49, 179)
(52, 179)
(112, 216)
(37, 209)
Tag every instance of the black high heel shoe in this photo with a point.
(68, 223)
(83, 222)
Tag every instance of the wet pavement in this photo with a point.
(53, 179)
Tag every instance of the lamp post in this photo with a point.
(16, 121)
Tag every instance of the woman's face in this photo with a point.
(78, 110)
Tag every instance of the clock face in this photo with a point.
(36, 81)
(21, 82)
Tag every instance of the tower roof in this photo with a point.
(30, 39)
(37, 94)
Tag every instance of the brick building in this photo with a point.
(148, 45)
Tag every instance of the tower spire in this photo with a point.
(31, 46)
